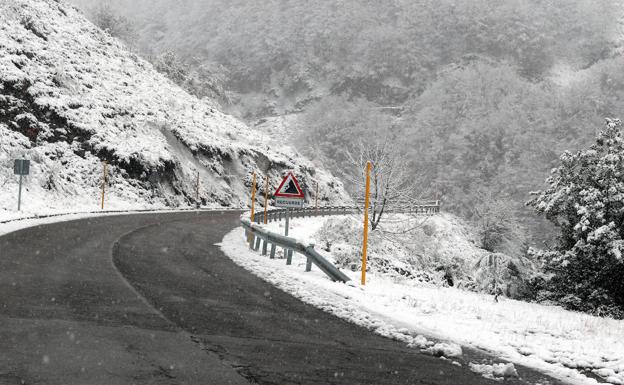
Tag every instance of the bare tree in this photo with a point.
(497, 226)
(393, 187)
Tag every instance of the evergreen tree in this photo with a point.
(585, 200)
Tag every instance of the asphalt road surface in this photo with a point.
(150, 299)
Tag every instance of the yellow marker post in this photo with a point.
(104, 172)
(253, 204)
(366, 204)
(253, 196)
(266, 198)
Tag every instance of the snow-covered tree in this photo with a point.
(501, 274)
(585, 200)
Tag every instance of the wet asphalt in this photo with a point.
(150, 299)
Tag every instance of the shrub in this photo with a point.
(585, 200)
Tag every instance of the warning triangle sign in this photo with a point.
(289, 188)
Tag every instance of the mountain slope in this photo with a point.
(72, 96)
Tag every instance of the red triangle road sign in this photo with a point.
(289, 188)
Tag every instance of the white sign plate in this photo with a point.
(288, 202)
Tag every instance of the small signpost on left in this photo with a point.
(21, 167)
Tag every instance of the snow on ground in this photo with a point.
(25, 222)
(9, 224)
(548, 338)
(37, 202)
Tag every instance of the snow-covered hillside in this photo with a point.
(71, 96)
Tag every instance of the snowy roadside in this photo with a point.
(555, 341)
(9, 224)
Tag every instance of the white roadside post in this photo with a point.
(289, 195)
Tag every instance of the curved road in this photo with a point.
(150, 299)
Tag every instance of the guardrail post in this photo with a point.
(289, 255)
(252, 240)
(264, 247)
(272, 251)
(257, 244)
(308, 264)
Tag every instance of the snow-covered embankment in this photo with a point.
(558, 342)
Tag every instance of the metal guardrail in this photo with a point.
(425, 208)
(408, 207)
(258, 236)
(279, 214)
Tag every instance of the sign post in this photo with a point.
(21, 167)
(289, 195)
(287, 253)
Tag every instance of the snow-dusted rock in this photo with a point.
(495, 371)
(445, 349)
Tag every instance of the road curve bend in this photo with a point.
(150, 299)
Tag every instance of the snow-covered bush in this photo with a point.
(342, 237)
(501, 274)
(442, 250)
(585, 200)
